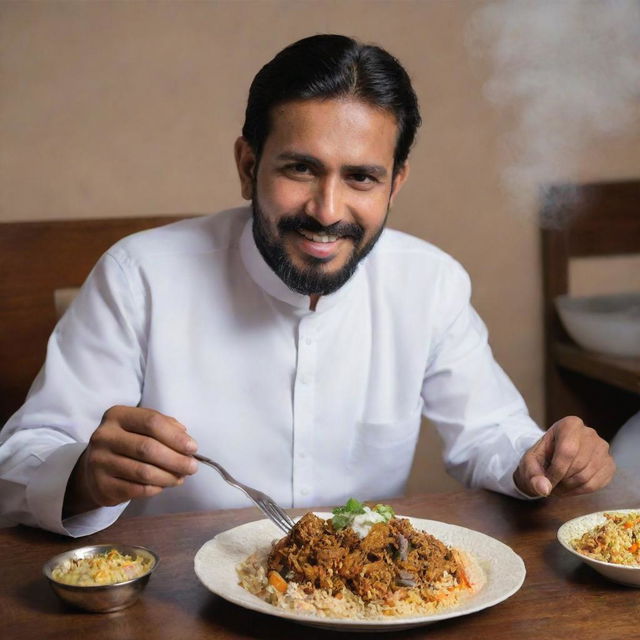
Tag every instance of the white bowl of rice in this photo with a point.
(607, 541)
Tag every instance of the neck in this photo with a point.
(313, 301)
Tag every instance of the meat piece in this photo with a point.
(377, 540)
(393, 556)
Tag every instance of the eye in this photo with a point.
(362, 180)
(298, 167)
(297, 171)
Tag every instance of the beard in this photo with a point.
(313, 278)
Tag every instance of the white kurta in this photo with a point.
(312, 407)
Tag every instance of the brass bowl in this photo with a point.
(101, 598)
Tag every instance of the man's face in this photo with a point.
(322, 189)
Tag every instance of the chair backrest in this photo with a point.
(597, 219)
(588, 220)
(38, 259)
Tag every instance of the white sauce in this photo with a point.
(363, 522)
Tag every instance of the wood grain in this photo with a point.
(561, 597)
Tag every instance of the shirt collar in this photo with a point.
(266, 279)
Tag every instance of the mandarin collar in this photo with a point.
(266, 279)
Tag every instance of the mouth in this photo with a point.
(319, 246)
(318, 237)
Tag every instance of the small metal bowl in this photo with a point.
(101, 598)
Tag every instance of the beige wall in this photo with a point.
(131, 108)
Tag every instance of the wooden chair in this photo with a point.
(36, 260)
(598, 219)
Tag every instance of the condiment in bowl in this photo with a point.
(101, 578)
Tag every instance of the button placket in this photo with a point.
(303, 412)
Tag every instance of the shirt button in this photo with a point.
(304, 379)
(302, 455)
(308, 341)
(304, 491)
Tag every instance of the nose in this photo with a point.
(325, 202)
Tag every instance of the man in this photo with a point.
(295, 341)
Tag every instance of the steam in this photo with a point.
(568, 71)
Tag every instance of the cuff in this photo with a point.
(522, 494)
(45, 495)
(523, 445)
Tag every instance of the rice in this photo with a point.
(616, 540)
(252, 575)
(105, 568)
(444, 591)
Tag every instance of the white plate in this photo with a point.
(621, 573)
(216, 561)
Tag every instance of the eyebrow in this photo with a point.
(373, 169)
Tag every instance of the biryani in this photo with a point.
(109, 567)
(616, 540)
(362, 563)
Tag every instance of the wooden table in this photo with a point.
(560, 598)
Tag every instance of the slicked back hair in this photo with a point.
(333, 66)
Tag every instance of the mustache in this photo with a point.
(303, 222)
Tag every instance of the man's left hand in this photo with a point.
(569, 459)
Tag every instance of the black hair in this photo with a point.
(333, 66)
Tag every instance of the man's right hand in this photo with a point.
(134, 453)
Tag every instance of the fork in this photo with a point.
(266, 504)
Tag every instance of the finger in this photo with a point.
(148, 422)
(551, 458)
(598, 480)
(135, 471)
(600, 465)
(144, 449)
(530, 475)
(541, 485)
(593, 453)
(566, 448)
(109, 491)
(581, 469)
(583, 478)
(115, 435)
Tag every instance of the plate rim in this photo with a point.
(258, 604)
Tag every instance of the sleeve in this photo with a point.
(95, 360)
(479, 414)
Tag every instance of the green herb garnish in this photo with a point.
(385, 511)
(344, 516)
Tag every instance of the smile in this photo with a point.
(317, 237)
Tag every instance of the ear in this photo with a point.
(246, 164)
(399, 179)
